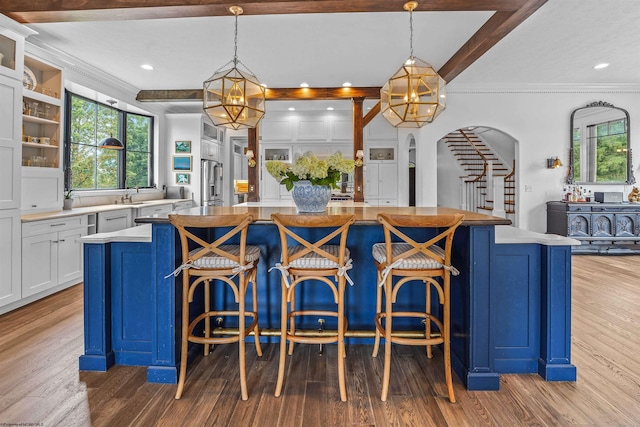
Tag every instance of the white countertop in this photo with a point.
(96, 209)
(141, 233)
(506, 234)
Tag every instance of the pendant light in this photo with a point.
(415, 94)
(111, 143)
(234, 98)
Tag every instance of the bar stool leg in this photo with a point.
(292, 319)
(341, 330)
(427, 322)
(283, 339)
(207, 320)
(387, 337)
(241, 341)
(376, 342)
(185, 338)
(256, 329)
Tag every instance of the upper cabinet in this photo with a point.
(41, 114)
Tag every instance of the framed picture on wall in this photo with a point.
(183, 178)
(182, 163)
(183, 146)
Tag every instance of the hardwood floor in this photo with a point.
(40, 382)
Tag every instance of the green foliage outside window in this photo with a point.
(97, 168)
(611, 151)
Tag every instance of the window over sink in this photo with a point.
(88, 167)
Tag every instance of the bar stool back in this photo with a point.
(307, 260)
(403, 257)
(216, 262)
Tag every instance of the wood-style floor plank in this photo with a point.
(40, 383)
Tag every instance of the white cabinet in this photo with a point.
(10, 256)
(184, 204)
(154, 210)
(41, 115)
(51, 253)
(113, 220)
(10, 150)
(380, 183)
(42, 189)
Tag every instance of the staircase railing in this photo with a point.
(475, 189)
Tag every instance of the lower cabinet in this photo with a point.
(51, 253)
(380, 183)
(185, 204)
(113, 220)
(10, 256)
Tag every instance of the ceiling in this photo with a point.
(558, 44)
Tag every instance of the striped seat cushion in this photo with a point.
(211, 260)
(417, 261)
(314, 260)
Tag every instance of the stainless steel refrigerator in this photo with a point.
(211, 188)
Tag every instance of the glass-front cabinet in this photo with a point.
(41, 114)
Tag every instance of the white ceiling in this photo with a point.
(559, 44)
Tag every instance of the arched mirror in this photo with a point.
(600, 148)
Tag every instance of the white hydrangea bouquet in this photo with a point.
(309, 167)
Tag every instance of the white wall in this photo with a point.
(182, 127)
(539, 120)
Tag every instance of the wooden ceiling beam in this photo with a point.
(494, 30)
(271, 94)
(101, 10)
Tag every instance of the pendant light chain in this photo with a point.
(411, 33)
(235, 42)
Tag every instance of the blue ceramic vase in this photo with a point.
(309, 197)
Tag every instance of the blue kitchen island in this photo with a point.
(511, 303)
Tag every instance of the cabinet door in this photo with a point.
(155, 210)
(371, 180)
(42, 189)
(10, 145)
(10, 256)
(39, 263)
(70, 255)
(114, 221)
(388, 181)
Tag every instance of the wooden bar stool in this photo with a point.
(207, 263)
(401, 256)
(304, 261)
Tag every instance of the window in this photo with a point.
(91, 168)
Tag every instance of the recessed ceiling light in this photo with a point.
(330, 108)
(146, 67)
(304, 84)
(601, 66)
(292, 109)
(346, 84)
(443, 96)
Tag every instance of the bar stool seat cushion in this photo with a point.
(315, 260)
(211, 260)
(418, 261)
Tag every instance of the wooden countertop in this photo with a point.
(365, 214)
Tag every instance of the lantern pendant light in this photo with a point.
(234, 98)
(415, 94)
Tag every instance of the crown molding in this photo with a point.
(543, 88)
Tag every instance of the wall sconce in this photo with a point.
(554, 163)
(359, 156)
(251, 157)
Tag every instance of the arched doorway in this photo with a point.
(477, 171)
